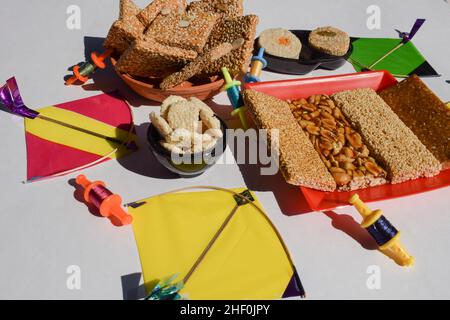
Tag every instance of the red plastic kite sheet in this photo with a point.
(91, 126)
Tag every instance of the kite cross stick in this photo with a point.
(210, 244)
(11, 99)
(406, 37)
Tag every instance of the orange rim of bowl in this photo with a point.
(194, 89)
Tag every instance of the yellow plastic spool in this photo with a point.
(393, 248)
(256, 68)
(241, 113)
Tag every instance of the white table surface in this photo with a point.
(44, 230)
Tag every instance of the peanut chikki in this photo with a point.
(230, 30)
(339, 146)
(424, 113)
(299, 162)
(148, 58)
(187, 31)
(196, 66)
(389, 140)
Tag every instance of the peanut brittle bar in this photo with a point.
(339, 146)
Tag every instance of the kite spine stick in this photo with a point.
(210, 244)
(387, 54)
(95, 134)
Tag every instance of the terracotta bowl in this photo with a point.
(149, 89)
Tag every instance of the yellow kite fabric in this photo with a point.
(56, 133)
(248, 260)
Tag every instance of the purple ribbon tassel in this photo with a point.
(11, 99)
(407, 36)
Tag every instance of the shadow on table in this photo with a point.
(107, 80)
(289, 198)
(223, 111)
(78, 195)
(349, 226)
(131, 287)
(292, 202)
(143, 162)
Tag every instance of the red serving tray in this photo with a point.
(377, 80)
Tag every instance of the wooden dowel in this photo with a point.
(99, 135)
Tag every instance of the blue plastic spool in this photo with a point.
(382, 231)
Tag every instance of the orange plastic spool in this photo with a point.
(109, 204)
(82, 72)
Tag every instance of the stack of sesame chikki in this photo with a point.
(172, 41)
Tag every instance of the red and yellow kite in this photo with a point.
(72, 136)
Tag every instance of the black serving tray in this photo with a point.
(309, 60)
